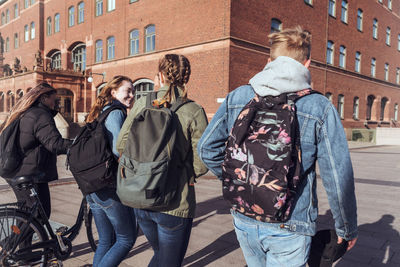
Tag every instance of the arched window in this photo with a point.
(388, 35)
(2, 102)
(276, 25)
(16, 14)
(143, 87)
(110, 5)
(383, 106)
(16, 40)
(71, 16)
(134, 42)
(48, 26)
(79, 57)
(81, 12)
(99, 50)
(359, 19)
(340, 106)
(3, 18)
(396, 112)
(386, 71)
(345, 5)
(56, 60)
(358, 62)
(7, 45)
(26, 33)
(150, 32)
(26, 3)
(356, 105)
(373, 67)
(33, 34)
(99, 7)
(329, 96)
(390, 4)
(342, 57)
(375, 28)
(56, 22)
(329, 53)
(110, 47)
(7, 16)
(20, 93)
(332, 8)
(370, 103)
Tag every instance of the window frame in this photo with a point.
(357, 65)
(33, 31)
(81, 12)
(375, 25)
(110, 46)
(135, 41)
(99, 8)
(373, 67)
(340, 106)
(330, 51)
(276, 22)
(388, 36)
(111, 5)
(344, 16)
(342, 56)
(71, 16)
(16, 10)
(150, 37)
(360, 15)
(26, 33)
(356, 108)
(49, 29)
(97, 49)
(386, 71)
(332, 8)
(57, 22)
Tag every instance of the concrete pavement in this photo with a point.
(213, 241)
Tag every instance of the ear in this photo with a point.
(307, 63)
(113, 93)
(269, 60)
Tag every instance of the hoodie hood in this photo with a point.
(283, 75)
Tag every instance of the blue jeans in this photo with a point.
(168, 235)
(265, 244)
(111, 216)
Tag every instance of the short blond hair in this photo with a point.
(294, 43)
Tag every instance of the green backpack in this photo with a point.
(147, 168)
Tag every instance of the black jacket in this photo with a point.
(40, 142)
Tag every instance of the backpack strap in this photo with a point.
(149, 99)
(179, 103)
(103, 116)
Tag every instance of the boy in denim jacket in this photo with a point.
(322, 138)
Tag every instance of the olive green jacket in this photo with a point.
(194, 121)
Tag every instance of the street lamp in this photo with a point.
(90, 78)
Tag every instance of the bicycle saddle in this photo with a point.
(22, 181)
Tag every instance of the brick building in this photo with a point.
(77, 44)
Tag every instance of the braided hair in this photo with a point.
(176, 70)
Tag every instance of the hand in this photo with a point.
(351, 242)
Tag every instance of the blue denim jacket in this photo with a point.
(113, 124)
(322, 139)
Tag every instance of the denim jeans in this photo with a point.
(111, 216)
(264, 244)
(168, 235)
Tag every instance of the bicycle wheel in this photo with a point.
(17, 234)
(91, 231)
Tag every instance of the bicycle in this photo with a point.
(26, 236)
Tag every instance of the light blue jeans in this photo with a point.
(116, 225)
(265, 244)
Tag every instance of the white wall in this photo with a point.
(388, 136)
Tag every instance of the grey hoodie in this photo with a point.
(283, 75)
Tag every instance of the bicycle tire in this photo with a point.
(13, 226)
(91, 231)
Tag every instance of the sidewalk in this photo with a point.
(213, 241)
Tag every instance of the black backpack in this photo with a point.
(262, 164)
(90, 156)
(10, 152)
(148, 175)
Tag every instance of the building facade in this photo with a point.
(75, 45)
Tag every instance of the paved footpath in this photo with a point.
(213, 241)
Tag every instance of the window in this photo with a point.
(340, 106)
(33, 34)
(132, 1)
(342, 57)
(345, 5)
(142, 87)
(110, 5)
(32, 2)
(7, 16)
(16, 13)
(359, 20)
(16, 40)
(375, 29)
(48, 26)
(81, 12)
(329, 96)
(56, 60)
(398, 75)
(308, 2)
(356, 105)
(383, 106)
(396, 112)
(380, 1)
(79, 57)
(26, 3)
(7, 44)
(150, 38)
(358, 62)
(134, 42)
(26, 35)
(110, 47)
(398, 42)
(3, 18)
(332, 8)
(390, 4)
(388, 35)
(276, 25)
(373, 67)
(329, 53)
(57, 22)
(386, 71)
(99, 7)
(99, 50)
(71, 16)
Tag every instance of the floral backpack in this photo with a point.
(262, 164)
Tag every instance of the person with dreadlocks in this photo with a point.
(39, 140)
(168, 231)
